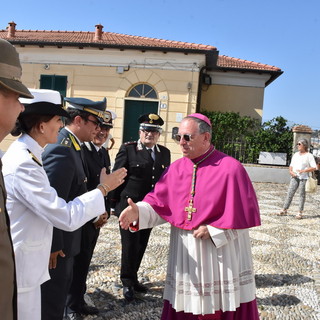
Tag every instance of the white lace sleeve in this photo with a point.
(148, 218)
(221, 237)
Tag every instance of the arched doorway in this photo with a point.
(142, 103)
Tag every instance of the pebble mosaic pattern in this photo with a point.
(286, 254)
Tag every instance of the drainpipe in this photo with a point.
(210, 64)
(200, 88)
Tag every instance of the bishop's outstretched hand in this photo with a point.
(129, 215)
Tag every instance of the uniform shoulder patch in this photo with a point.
(66, 142)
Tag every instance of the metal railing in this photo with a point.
(238, 149)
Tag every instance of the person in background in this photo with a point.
(67, 171)
(108, 140)
(209, 200)
(33, 205)
(96, 158)
(301, 164)
(145, 161)
(11, 88)
(108, 126)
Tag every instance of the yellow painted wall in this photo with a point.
(176, 89)
(248, 101)
(96, 82)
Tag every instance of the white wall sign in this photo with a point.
(179, 117)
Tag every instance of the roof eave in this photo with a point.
(105, 45)
(274, 74)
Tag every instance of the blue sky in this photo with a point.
(282, 33)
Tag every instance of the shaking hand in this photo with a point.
(129, 215)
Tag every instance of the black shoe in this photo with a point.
(87, 310)
(74, 316)
(140, 288)
(128, 293)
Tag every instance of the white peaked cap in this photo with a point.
(43, 95)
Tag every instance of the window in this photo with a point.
(143, 91)
(53, 82)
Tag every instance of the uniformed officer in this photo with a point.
(67, 171)
(145, 161)
(96, 157)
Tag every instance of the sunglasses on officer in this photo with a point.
(97, 123)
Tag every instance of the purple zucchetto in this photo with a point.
(201, 117)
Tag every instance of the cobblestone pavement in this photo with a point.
(286, 260)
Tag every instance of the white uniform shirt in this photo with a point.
(34, 208)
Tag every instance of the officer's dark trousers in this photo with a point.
(75, 299)
(54, 291)
(133, 248)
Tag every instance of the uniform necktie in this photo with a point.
(151, 154)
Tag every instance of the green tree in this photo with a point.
(244, 137)
(230, 125)
(274, 136)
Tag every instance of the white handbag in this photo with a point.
(311, 184)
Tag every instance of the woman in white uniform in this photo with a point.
(33, 205)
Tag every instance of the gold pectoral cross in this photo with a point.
(190, 209)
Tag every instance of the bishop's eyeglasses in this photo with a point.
(186, 137)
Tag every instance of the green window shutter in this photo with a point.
(54, 82)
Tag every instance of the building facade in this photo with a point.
(139, 75)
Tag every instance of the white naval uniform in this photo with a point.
(34, 208)
(208, 275)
